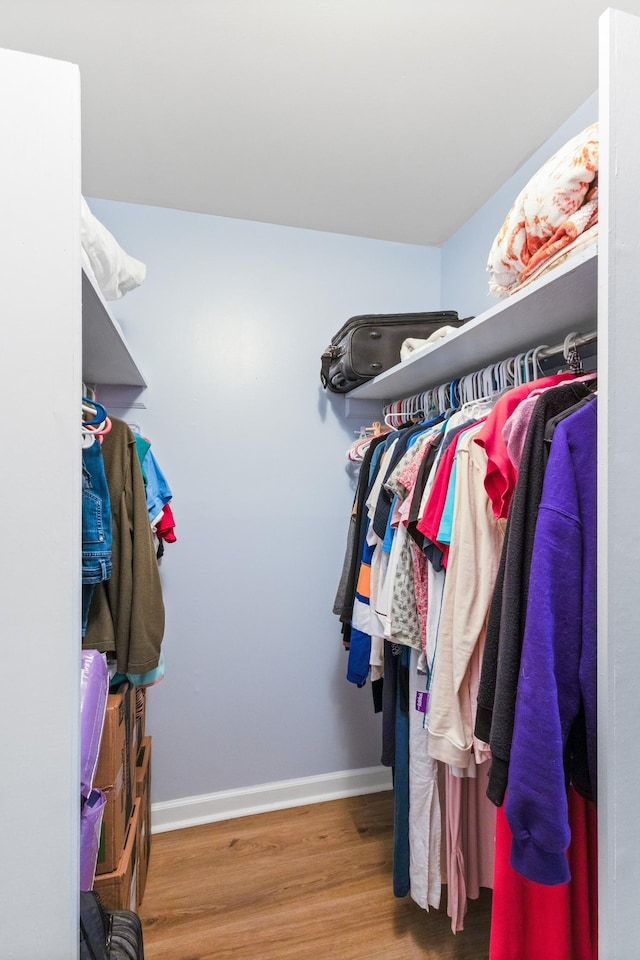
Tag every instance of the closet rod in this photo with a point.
(415, 403)
(578, 341)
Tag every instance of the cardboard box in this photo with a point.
(143, 766)
(113, 746)
(132, 745)
(143, 794)
(113, 778)
(119, 890)
(141, 709)
(113, 827)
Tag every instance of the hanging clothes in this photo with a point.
(96, 504)
(470, 844)
(500, 479)
(556, 689)
(530, 920)
(127, 611)
(158, 494)
(449, 514)
(474, 555)
(96, 524)
(425, 814)
(343, 603)
(505, 628)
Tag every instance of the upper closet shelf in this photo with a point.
(545, 312)
(106, 358)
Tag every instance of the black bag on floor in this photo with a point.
(370, 344)
(108, 934)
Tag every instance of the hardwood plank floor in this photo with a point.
(312, 881)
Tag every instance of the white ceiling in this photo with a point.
(392, 119)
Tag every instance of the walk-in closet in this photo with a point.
(292, 803)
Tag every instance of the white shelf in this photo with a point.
(545, 312)
(106, 358)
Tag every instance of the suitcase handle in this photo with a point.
(331, 353)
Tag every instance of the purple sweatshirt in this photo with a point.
(557, 679)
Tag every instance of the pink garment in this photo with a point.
(470, 834)
(420, 574)
(514, 432)
(408, 479)
(405, 481)
(530, 921)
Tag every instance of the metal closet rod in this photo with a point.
(542, 353)
(580, 341)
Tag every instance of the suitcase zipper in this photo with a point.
(109, 931)
(382, 318)
(106, 926)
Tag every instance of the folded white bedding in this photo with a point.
(115, 271)
(409, 346)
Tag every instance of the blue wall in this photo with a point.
(228, 328)
(465, 281)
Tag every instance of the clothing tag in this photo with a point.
(422, 701)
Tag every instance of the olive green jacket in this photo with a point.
(127, 612)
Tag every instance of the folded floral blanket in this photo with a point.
(559, 203)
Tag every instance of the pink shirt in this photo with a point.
(514, 432)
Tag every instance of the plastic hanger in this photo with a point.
(482, 386)
(96, 412)
(537, 369)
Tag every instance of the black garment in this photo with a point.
(347, 563)
(553, 423)
(401, 852)
(383, 506)
(507, 614)
(377, 687)
(453, 432)
(379, 518)
(421, 482)
(343, 604)
(389, 697)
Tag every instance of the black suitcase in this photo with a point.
(108, 934)
(367, 345)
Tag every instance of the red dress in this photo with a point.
(530, 921)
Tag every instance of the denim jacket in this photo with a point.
(96, 525)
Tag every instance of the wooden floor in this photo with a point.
(311, 882)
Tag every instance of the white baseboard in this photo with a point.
(228, 804)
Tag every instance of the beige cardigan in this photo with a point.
(476, 545)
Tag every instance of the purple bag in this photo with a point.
(94, 689)
(90, 824)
